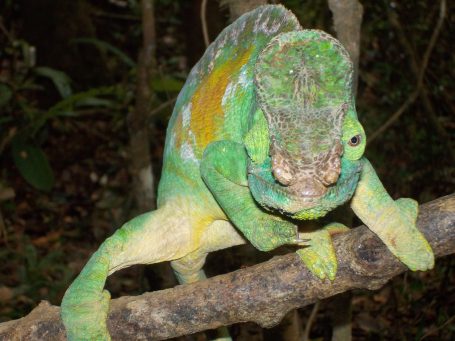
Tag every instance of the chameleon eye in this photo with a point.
(355, 140)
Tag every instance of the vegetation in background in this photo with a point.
(64, 97)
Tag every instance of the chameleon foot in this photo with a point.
(86, 319)
(319, 254)
(406, 242)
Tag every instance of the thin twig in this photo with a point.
(3, 231)
(162, 106)
(434, 330)
(116, 16)
(314, 312)
(205, 31)
(7, 139)
(411, 99)
(426, 58)
(7, 34)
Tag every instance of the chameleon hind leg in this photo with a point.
(318, 253)
(85, 305)
(189, 270)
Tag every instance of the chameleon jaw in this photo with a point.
(279, 197)
(275, 197)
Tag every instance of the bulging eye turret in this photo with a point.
(355, 140)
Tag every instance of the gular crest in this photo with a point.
(303, 81)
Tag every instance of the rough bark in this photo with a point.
(263, 293)
(347, 20)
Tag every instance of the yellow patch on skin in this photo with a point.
(200, 224)
(201, 221)
(207, 114)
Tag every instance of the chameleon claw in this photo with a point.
(300, 240)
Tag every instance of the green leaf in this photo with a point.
(95, 102)
(167, 84)
(5, 94)
(66, 107)
(32, 164)
(105, 46)
(60, 79)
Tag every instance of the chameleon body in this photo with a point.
(263, 134)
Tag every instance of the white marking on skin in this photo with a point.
(236, 33)
(256, 23)
(263, 26)
(213, 55)
(210, 66)
(192, 142)
(228, 93)
(186, 115)
(231, 89)
(243, 78)
(218, 53)
(187, 153)
(274, 27)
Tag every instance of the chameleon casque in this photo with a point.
(264, 134)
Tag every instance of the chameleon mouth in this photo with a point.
(281, 198)
(307, 188)
(271, 195)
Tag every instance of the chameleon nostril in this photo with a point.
(283, 176)
(281, 170)
(330, 177)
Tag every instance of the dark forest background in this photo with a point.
(69, 101)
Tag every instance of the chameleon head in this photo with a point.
(303, 85)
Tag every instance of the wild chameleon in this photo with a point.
(264, 134)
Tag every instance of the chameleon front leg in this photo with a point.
(150, 238)
(393, 221)
(224, 170)
(319, 254)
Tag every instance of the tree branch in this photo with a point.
(205, 30)
(141, 166)
(347, 21)
(262, 293)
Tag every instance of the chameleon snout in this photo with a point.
(308, 181)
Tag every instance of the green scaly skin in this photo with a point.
(263, 134)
